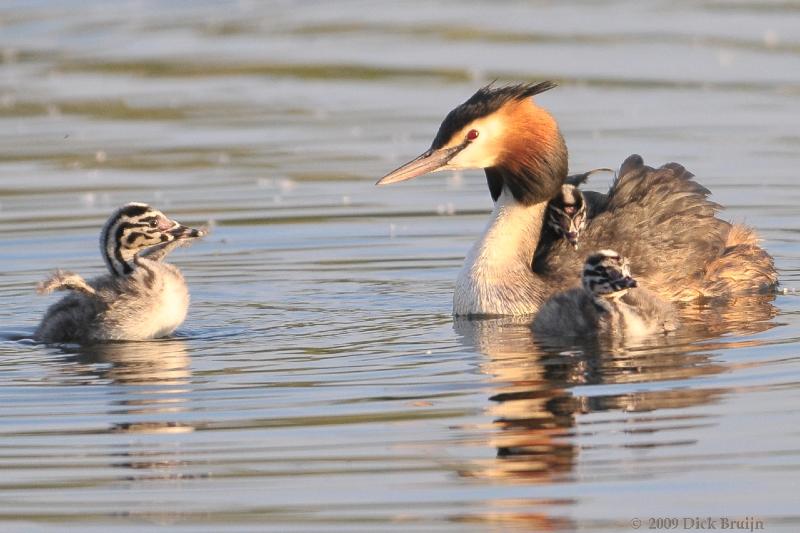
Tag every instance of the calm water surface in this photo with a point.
(319, 382)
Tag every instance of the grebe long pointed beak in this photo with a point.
(430, 161)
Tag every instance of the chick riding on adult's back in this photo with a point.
(659, 218)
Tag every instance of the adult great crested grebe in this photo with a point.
(141, 298)
(659, 218)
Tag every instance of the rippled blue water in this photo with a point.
(319, 382)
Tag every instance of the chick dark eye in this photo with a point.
(154, 224)
(472, 135)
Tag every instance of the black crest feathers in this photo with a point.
(484, 102)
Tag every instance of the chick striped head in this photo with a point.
(135, 227)
(566, 214)
(607, 273)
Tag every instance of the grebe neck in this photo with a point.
(497, 278)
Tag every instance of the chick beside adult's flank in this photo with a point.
(607, 303)
(142, 297)
(660, 218)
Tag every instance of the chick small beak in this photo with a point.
(430, 161)
(185, 232)
(623, 283)
(572, 237)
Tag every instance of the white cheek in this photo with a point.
(473, 156)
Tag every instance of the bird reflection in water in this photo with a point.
(155, 376)
(537, 413)
(150, 382)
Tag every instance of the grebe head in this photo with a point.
(134, 227)
(607, 274)
(566, 214)
(499, 129)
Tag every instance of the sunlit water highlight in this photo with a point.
(320, 382)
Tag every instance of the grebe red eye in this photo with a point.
(472, 135)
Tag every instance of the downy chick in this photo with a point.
(142, 297)
(607, 303)
(568, 213)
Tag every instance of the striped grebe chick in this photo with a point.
(609, 302)
(141, 297)
(568, 213)
(596, 202)
(660, 218)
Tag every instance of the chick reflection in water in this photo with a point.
(150, 386)
(141, 298)
(608, 303)
(152, 380)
